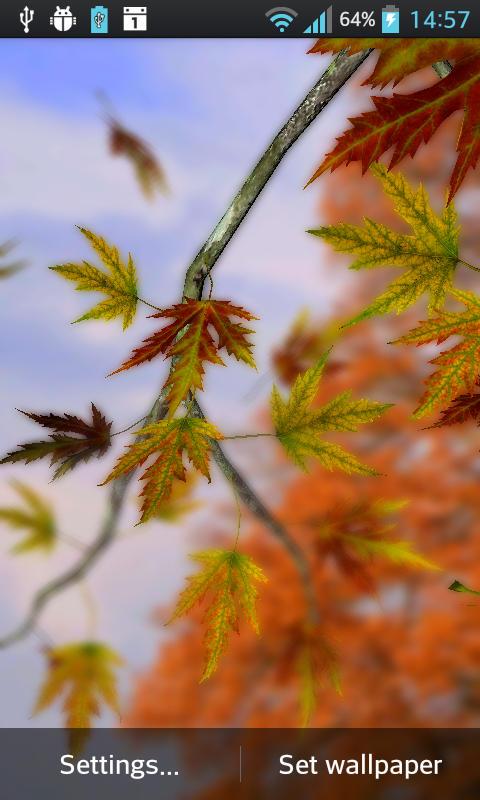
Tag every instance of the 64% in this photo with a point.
(364, 19)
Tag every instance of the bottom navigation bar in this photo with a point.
(378, 763)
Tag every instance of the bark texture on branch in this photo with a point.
(336, 75)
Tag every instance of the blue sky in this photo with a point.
(208, 108)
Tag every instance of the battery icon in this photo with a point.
(390, 19)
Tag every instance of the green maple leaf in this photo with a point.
(35, 519)
(300, 429)
(118, 282)
(429, 254)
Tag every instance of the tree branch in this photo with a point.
(337, 74)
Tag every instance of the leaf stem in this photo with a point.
(133, 425)
(247, 436)
(470, 266)
(146, 303)
(239, 517)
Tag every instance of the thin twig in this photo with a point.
(251, 500)
(91, 555)
(337, 74)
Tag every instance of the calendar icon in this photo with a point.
(134, 18)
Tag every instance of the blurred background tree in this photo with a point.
(408, 649)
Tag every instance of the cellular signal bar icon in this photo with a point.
(322, 24)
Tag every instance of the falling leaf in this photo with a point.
(457, 368)
(73, 440)
(83, 675)
(227, 578)
(190, 343)
(300, 429)
(118, 281)
(35, 519)
(150, 174)
(166, 441)
(429, 255)
(406, 121)
(398, 58)
(303, 346)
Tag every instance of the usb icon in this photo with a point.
(99, 19)
(390, 19)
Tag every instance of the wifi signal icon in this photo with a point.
(281, 17)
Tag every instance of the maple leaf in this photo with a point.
(464, 407)
(166, 441)
(398, 58)
(457, 368)
(300, 429)
(303, 346)
(179, 503)
(316, 664)
(150, 174)
(73, 440)
(229, 579)
(188, 340)
(398, 552)
(83, 674)
(118, 282)
(429, 254)
(356, 534)
(407, 121)
(312, 660)
(36, 519)
(456, 586)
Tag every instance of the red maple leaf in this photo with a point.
(406, 121)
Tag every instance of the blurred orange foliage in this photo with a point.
(408, 649)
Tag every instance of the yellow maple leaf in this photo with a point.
(300, 429)
(429, 255)
(36, 519)
(118, 282)
(83, 674)
(229, 579)
(168, 441)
